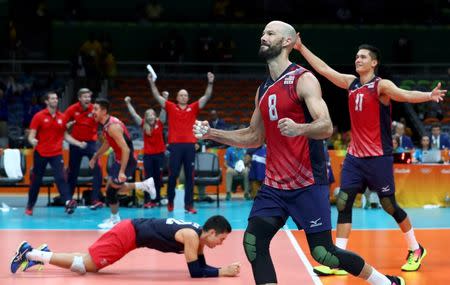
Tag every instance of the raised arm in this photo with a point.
(154, 90)
(252, 136)
(339, 79)
(308, 89)
(208, 92)
(163, 113)
(388, 88)
(136, 118)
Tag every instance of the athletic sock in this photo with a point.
(411, 240)
(38, 255)
(342, 243)
(139, 186)
(376, 278)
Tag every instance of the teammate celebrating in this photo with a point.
(292, 118)
(369, 160)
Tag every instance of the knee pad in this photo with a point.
(344, 204)
(390, 205)
(78, 265)
(257, 237)
(111, 195)
(325, 257)
(325, 252)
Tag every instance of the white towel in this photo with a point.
(11, 161)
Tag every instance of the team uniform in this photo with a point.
(158, 234)
(84, 129)
(154, 148)
(369, 161)
(296, 181)
(115, 168)
(50, 135)
(182, 148)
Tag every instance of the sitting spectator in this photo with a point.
(424, 145)
(404, 140)
(216, 122)
(257, 168)
(396, 147)
(438, 140)
(234, 162)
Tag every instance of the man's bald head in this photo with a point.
(285, 29)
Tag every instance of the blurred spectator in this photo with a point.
(32, 109)
(153, 10)
(408, 130)
(92, 47)
(257, 172)
(221, 10)
(438, 140)
(396, 148)
(173, 47)
(402, 50)
(225, 49)
(206, 47)
(424, 145)
(404, 140)
(236, 168)
(335, 141)
(217, 122)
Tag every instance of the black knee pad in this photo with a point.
(257, 237)
(390, 205)
(111, 195)
(325, 252)
(344, 204)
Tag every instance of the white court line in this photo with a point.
(302, 256)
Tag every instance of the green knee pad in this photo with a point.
(321, 255)
(250, 246)
(341, 200)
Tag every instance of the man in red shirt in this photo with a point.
(116, 136)
(181, 117)
(154, 146)
(84, 128)
(47, 131)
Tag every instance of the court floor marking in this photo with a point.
(302, 256)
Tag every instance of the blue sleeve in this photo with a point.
(197, 271)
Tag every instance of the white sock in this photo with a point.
(139, 186)
(37, 255)
(341, 243)
(376, 278)
(411, 239)
(115, 217)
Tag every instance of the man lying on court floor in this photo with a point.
(165, 235)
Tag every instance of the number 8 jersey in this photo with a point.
(291, 162)
(370, 120)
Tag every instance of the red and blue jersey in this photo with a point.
(370, 120)
(291, 162)
(117, 150)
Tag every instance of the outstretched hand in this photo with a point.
(437, 94)
(231, 270)
(210, 77)
(201, 129)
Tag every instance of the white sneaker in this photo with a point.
(149, 187)
(109, 223)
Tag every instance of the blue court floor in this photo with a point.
(235, 211)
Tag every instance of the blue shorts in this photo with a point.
(129, 171)
(309, 207)
(377, 173)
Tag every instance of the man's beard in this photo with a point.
(270, 52)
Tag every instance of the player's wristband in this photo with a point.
(197, 271)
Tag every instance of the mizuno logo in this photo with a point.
(315, 223)
(385, 188)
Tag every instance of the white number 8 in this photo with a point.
(273, 115)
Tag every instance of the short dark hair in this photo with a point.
(436, 125)
(103, 103)
(374, 53)
(218, 223)
(48, 93)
